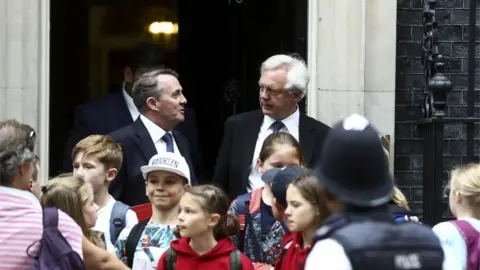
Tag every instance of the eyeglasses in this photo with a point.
(31, 140)
(270, 92)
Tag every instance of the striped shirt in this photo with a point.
(21, 228)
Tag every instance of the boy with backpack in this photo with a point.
(97, 159)
(263, 249)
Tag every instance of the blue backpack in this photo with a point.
(117, 220)
(55, 252)
(400, 214)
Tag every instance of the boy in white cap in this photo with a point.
(167, 175)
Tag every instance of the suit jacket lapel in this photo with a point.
(306, 137)
(250, 134)
(182, 145)
(144, 140)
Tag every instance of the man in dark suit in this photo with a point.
(283, 83)
(158, 96)
(114, 111)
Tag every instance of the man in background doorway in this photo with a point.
(283, 83)
(114, 111)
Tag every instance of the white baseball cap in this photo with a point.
(169, 162)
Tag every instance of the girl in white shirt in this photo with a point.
(464, 200)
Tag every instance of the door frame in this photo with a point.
(43, 117)
(43, 120)
(312, 48)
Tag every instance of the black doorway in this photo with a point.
(220, 42)
(223, 42)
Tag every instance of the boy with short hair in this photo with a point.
(97, 159)
(279, 179)
(167, 176)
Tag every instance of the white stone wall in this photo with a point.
(19, 60)
(352, 47)
(24, 60)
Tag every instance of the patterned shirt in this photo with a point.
(21, 226)
(154, 241)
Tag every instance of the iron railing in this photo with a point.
(434, 107)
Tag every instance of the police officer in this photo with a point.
(360, 234)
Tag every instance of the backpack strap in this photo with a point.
(248, 203)
(50, 217)
(171, 260)
(241, 208)
(470, 236)
(245, 205)
(256, 200)
(117, 220)
(132, 240)
(235, 260)
(253, 236)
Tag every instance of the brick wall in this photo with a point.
(452, 16)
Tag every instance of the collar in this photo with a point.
(17, 192)
(153, 129)
(290, 122)
(129, 101)
(109, 205)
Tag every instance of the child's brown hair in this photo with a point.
(279, 138)
(311, 191)
(216, 201)
(103, 148)
(68, 193)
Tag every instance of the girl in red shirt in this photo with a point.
(305, 212)
(204, 227)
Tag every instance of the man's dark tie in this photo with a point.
(276, 126)
(168, 139)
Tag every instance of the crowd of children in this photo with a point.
(198, 227)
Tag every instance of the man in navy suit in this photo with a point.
(114, 111)
(159, 98)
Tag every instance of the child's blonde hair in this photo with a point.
(103, 148)
(399, 198)
(466, 181)
(69, 194)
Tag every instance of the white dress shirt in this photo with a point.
(131, 106)
(290, 125)
(157, 133)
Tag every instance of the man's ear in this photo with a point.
(152, 103)
(111, 174)
(187, 186)
(277, 205)
(297, 95)
(127, 74)
(260, 165)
